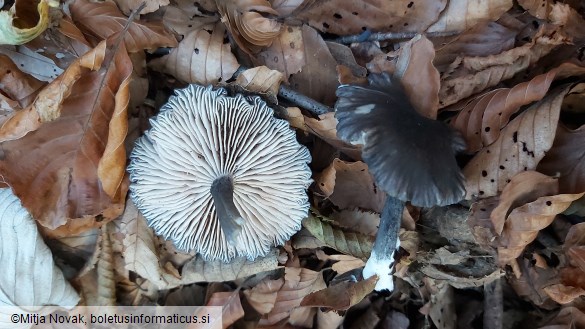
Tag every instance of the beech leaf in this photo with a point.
(29, 275)
(69, 172)
(341, 296)
(17, 28)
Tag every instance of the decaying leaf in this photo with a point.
(250, 23)
(481, 119)
(69, 172)
(260, 80)
(127, 6)
(478, 73)
(17, 89)
(341, 296)
(262, 297)
(344, 17)
(298, 282)
(351, 243)
(24, 21)
(350, 185)
(342, 263)
(104, 19)
(106, 281)
(232, 307)
(357, 220)
(29, 275)
(523, 223)
(464, 14)
(520, 146)
(201, 57)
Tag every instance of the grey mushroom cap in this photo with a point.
(220, 175)
(411, 157)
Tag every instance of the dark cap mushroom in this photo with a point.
(411, 157)
(220, 175)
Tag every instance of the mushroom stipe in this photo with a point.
(220, 175)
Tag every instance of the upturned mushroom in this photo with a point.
(220, 175)
(411, 157)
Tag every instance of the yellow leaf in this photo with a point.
(16, 30)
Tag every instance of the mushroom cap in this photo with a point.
(411, 157)
(200, 135)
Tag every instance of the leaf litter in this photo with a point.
(78, 84)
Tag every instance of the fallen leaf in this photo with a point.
(464, 14)
(341, 296)
(201, 57)
(127, 6)
(260, 80)
(70, 170)
(104, 19)
(325, 128)
(350, 185)
(520, 146)
(17, 89)
(29, 275)
(252, 23)
(344, 17)
(563, 294)
(32, 63)
(231, 306)
(24, 21)
(482, 119)
(262, 297)
(568, 317)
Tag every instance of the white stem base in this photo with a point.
(381, 265)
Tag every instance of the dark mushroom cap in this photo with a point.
(411, 157)
(204, 141)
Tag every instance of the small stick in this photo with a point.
(493, 308)
(387, 36)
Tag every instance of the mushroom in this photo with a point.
(220, 175)
(411, 157)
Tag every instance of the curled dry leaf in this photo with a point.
(103, 19)
(181, 21)
(418, 75)
(29, 275)
(478, 73)
(231, 305)
(523, 188)
(252, 23)
(350, 185)
(70, 170)
(482, 119)
(350, 243)
(202, 57)
(23, 22)
(344, 17)
(260, 80)
(563, 294)
(341, 296)
(286, 54)
(106, 281)
(341, 263)
(326, 129)
(523, 223)
(520, 146)
(464, 14)
(298, 283)
(565, 158)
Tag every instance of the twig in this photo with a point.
(385, 36)
(493, 308)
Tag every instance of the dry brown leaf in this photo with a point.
(481, 224)
(328, 320)
(326, 129)
(342, 295)
(565, 159)
(345, 57)
(464, 14)
(231, 304)
(70, 171)
(17, 89)
(537, 8)
(570, 20)
(563, 294)
(350, 185)
(569, 317)
(478, 73)
(344, 17)
(202, 57)
(298, 282)
(127, 6)
(31, 62)
(106, 281)
(104, 19)
(520, 146)
(286, 54)
(182, 23)
(342, 263)
(481, 119)
(523, 223)
(523, 188)
(482, 40)
(252, 23)
(260, 80)
(357, 220)
(418, 75)
(531, 282)
(302, 317)
(262, 297)
(355, 244)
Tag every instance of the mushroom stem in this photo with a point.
(381, 261)
(230, 220)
